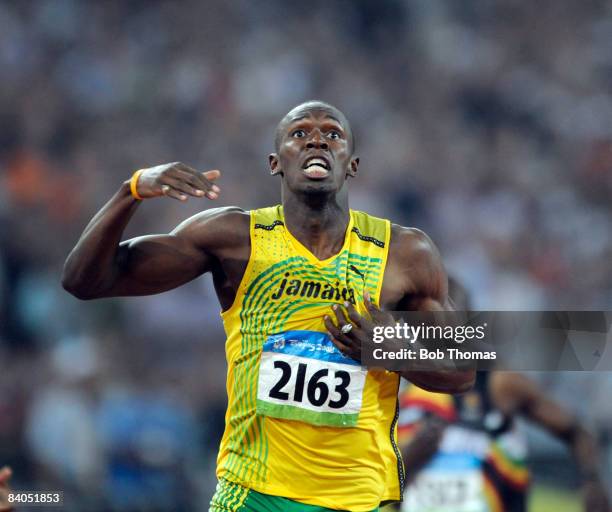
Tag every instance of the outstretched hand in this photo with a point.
(178, 181)
(361, 330)
(5, 475)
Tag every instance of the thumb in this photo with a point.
(212, 175)
(376, 314)
(370, 306)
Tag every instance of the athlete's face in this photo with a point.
(315, 150)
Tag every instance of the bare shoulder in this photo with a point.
(411, 245)
(227, 226)
(414, 268)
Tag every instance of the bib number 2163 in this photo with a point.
(303, 376)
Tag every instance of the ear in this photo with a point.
(274, 163)
(352, 170)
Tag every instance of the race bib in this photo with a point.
(303, 376)
(450, 483)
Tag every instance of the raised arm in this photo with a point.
(100, 265)
(424, 284)
(514, 393)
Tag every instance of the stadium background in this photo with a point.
(486, 123)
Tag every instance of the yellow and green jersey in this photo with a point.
(304, 421)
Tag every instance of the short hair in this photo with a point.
(316, 104)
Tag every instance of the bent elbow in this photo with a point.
(75, 286)
(80, 294)
(75, 290)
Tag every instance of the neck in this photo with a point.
(320, 225)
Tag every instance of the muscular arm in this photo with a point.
(424, 287)
(91, 266)
(514, 393)
(102, 266)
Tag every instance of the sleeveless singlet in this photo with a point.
(304, 421)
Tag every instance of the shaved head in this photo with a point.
(303, 109)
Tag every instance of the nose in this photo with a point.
(317, 140)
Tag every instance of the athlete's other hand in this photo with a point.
(362, 330)
(594, 497)
(5, 475)
(178, 181)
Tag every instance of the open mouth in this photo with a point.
(316, 167)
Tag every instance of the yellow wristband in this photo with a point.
(134, 183)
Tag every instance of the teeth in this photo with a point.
(316, 161)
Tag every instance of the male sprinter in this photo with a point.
(307, 428)
(465, 453)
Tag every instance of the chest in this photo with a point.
(279, 269)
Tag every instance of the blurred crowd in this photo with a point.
(486, 123)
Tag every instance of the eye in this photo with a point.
(298, 133)
(333, 134)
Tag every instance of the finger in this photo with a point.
(167, 190)
(212, 175)
(341, 317)
(355, 317)
(337, 332)
(199, 181)
(204, 178)
(341, 346)
(334, 331)
(192, 179)
(331, 327)
(184, 167)
(373, 310)
(370, 306)
(183, 187)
